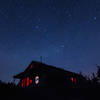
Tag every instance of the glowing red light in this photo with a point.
(72, 79)
(27, 81)
(31, 66)
(75, 80)
(30, 81)
(22, 83)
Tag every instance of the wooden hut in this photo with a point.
(38, 74)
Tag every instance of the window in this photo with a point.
(73, 79)
(37, 80)
(30, 81)
(23, 82)
(27, 81)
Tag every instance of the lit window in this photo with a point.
(36, 79)
(22, 83)
(27, 81)
(30, 81)
(73, 79)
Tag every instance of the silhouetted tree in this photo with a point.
(94, 79)
(98, 71)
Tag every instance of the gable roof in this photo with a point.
(35, 66)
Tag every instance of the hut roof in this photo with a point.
(35, 66)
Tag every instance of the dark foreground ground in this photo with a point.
(50, 94)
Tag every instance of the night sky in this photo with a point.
(66, 33)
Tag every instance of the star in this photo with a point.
(62, 46)
(37, 26)
(20, 16)
(69, 15)
(95, 18)
(47, 35)
(57, 50)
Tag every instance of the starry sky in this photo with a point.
(66, 33)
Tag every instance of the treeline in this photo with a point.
(94, 80)
(7, 85)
